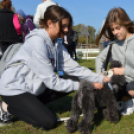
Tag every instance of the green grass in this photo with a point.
(62, 108)
(89, 55)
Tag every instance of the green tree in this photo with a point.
(86, 34)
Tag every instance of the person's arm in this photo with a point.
(41, 65)
(100, 60)
(37, 17)
(129, 72)
(71, 67)
(17, 25)
(118, 71)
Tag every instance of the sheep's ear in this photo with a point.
(115, 79)
(115, 64)
(118, 79)
(122, 80)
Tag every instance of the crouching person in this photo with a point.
(29, 81)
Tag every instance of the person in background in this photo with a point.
(75, 53)
(41, 8)
(10, 33)
(106, 42)
(10, 29)
(68, 45)
(71, 43)
(75, 40)
(27, 23)
(102, 44)
(119, 28)
(33, 83)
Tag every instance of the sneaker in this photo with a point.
(7, 123)
(5, 117)
(129, 108)
(65, 42)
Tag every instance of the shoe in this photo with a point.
(5, 117)
(65, 42)
(7, 123)
(129, 107)
(121, 105)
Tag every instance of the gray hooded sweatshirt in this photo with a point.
(122, 51)
(40, 57)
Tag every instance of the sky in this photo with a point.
(87, 12)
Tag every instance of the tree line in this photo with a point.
(86, 34)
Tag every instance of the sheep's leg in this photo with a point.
(75, 113)
(88, 107)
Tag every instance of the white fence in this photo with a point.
(85, 53)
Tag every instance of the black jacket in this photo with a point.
(7, 29)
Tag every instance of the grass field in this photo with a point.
(62, 108)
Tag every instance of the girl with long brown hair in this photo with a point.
(119, 28)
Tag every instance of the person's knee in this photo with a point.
(130, 88)
(131, 93)
(48, 124)
(51, 124)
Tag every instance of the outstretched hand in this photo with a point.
(99, 85)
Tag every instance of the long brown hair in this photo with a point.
(6, 4)
(118, 16)
(56, 13)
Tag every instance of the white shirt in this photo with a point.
(40, 11)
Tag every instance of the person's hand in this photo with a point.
(118, 71)
(106, 79)
(98, 85)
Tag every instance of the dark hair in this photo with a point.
(6, 4)
(118, 16)
(56, 13)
